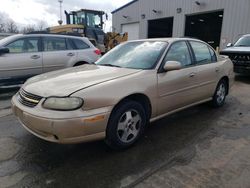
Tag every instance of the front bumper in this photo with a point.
(242, 69)
(63, 130)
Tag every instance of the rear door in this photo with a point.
(85, 51)
(58, 53)
(208, 70)
(177, 88)
(23, 61)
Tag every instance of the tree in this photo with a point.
(41, 25)
(2, 23)
(28, 29)
(11, 27)
(2, 27)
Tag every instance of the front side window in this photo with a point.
(81, 18)
(201, 52)
(54, 44)
(24, 45)
(134, 55)
(179, 52)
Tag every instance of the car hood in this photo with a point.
(236, 50)
(67, 81)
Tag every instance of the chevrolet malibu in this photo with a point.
(136, 83)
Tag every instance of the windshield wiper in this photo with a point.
(109, 65)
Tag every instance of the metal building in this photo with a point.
(217, 22)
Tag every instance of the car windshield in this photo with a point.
(135, 55)
(243, 41)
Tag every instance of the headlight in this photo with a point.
(63, 103)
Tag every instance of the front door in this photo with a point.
(177, 88)
(23, 61)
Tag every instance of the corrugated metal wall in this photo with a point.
(236, 20)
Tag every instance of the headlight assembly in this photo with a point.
(63, 103)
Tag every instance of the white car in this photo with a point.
(25, 55)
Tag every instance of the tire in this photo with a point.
(126, 125)
(220, 94)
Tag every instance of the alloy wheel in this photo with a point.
(129, 126)
(221, 93)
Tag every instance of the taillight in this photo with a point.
(98, 52)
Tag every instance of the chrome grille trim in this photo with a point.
(240, 59)
(28, 99)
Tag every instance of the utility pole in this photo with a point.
(60, 21)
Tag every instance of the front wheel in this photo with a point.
(220, 94)
(126, 125)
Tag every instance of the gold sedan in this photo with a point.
(135, 83)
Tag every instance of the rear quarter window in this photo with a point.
(79, 44)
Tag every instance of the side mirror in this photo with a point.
(172, 65)
(229, 45)
(4, 50)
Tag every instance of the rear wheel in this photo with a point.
(220, 94)
(80, 63)
(126, 125)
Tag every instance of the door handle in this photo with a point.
(70, 54)
(192, 74)
(35, 57)
(217, 69)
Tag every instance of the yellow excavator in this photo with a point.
(89, 23)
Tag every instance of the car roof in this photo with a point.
(170, 40)
(17, 36)
(53, 35)
(246, 35)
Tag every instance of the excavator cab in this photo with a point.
(92, 21)
(88, 18)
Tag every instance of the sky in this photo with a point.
(30, 12)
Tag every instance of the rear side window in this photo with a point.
(70, 46)
(201, 52)
(24, 45)
(54, 44)
(79, 44)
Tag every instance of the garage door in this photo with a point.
(160, 28)
(205, 26)
(132, 29)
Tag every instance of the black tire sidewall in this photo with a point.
(111, 132)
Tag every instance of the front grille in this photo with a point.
(28, 99)
(240, 59)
